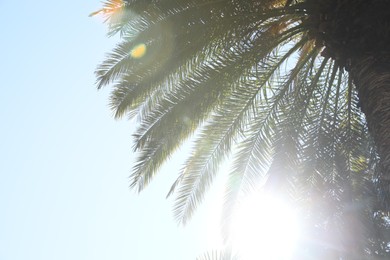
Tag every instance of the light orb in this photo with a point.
(138, 51)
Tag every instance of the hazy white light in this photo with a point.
(264, 228)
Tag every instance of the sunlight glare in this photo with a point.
(264, 228)
(110, 8)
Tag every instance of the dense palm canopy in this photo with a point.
(294, 93)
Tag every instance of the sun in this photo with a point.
(264, 227)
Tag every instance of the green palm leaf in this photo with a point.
(275, 85)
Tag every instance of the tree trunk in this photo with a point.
(371, 76)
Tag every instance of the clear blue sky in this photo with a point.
(64, 161)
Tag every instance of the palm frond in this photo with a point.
(262, 82)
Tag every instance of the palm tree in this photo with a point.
(293, 92)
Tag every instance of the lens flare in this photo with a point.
(264, 228)
(138, 51)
